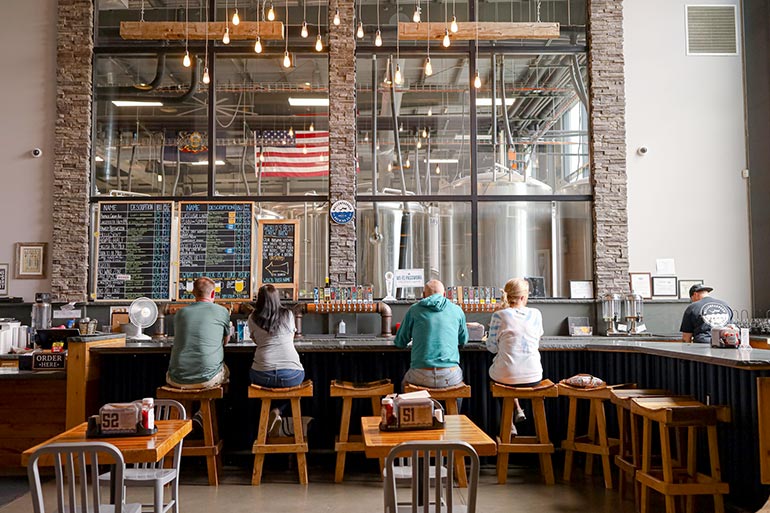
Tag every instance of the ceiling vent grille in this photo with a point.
(711, 30)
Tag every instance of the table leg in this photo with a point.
(112, 484)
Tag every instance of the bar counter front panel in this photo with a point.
(721, 376)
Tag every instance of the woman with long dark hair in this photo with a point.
(276, 362)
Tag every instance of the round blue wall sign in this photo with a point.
(341, 212)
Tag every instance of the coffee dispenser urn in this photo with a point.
(41, 313)
(611, 304)
(635, 313)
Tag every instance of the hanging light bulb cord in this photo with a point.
(186, 24)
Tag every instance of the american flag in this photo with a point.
(305, 155)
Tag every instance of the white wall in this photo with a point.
(27, 116)
(687, 198)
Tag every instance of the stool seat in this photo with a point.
(281, 445)
(211, 446)
(345, 442)
(539, 444)
(684, 411)
(449, 395)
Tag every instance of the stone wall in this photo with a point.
(607, 114)
(72, 177)
(342, 139)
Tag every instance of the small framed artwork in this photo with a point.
(30, 260)
(664, 286)
(4, 280)
(581, 289)
(684, 287)
(641, 284)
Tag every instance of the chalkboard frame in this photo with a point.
(179, 250)
(294, 285)
(96, 237)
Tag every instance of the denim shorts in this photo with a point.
(434, 378)
(279, 378)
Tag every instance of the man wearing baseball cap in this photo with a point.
(705, 312)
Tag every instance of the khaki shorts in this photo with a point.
(221, 377)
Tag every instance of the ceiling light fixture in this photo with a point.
(477, 81)
(487, 102)
(477, 78)
(291, 132)
(430, 111)
(258, 45)
(445, 42)
(286, 58)
(336, 19)
(319, 45)
(444, 161)
(271, 13)
(360, 30)
(428, 67)
(131, 103)
(236, 18)
(226, 36)
(378, 34)
(206, 163)
(309, 102)
(303, 32)
(438, 170)
(453, 26)
(312, 127)
(416, 15)
(424, 133)
(186, 62)
(206, 78)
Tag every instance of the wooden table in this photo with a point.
(377, 444)
(135, 449)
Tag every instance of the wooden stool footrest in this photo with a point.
(275, 447)
(198, 449)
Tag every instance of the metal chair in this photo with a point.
(444, 454)
(71, 460)
(156, 474)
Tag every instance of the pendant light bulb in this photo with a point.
(187, 62)
(291, 132)
(446, 42)
(397, 77)
(271, 13)
(453, 28)
(419, 144)
(424, 133)
(261, 157)
(319, 45)
(303, 32)
(286, 59)
(401, 127)
(236, 18)
(430, 111)
(360, 31)
(477, 80)
(312, 127)
(438, 170)
(206, 79)
(304, 150)
(258, 45)
(378, 38)
(416, 15)
(390, 167)
(336, 19)
(366, 137)
(428, 67)
(226, 37)
(407, 164)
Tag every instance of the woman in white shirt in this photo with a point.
(514, 338)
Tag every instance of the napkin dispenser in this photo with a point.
(417, 410)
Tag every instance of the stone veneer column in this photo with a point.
(342, 139)
(71, 174)
(607, 113)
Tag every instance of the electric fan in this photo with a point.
(142, 313)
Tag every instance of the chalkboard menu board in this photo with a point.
(133, 250)
(277, 248)
(215, 240)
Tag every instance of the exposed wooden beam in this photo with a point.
(487, 31)
(175, 30)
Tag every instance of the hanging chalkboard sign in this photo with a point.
(133, 255)
(277, 247)
(216, 240)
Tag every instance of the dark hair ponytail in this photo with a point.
(269, 314)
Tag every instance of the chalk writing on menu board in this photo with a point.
(134, 250)
(216, 241)
(278, 252)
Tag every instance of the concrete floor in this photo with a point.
(362, 492)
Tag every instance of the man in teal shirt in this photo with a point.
(437, 329)
(200, 332)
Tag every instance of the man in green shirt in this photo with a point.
(436, 328)
(200, 332)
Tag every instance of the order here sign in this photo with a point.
(404, 278)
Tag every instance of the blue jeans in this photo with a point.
(435, 378)
(279, 378)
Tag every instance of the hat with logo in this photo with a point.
(699, 288)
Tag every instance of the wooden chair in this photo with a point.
(629, 459)
(449, 395)
(280, 445)
(539, 444)
(595, 441)
(211, 446)
(345, 443)
(680, 412)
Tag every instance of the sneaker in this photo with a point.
(514, 431)
(287, 426)
(519, 416)
(274, 423)
(197, 426)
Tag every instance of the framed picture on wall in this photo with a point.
(641, 284)
(30, 260)
(684, 287)
(4, 280)
(664, 286)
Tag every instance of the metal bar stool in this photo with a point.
(345, 443)
(595, 441)
(449, 395)
(539, 444)
(211, 446)
(280, 445)
(680, 412)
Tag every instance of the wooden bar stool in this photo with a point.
(605, 447)
(449, 395)
(629, 458)
(285, 444)
(345, 443)
(680, 412)
(539, 444)
(211, 445)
